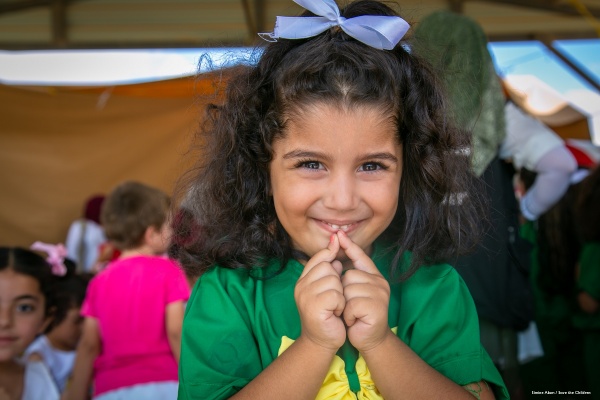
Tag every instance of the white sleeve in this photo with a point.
(38, 384)
(527, 139)
(72, 241)
(554, 170)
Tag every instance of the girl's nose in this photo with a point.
(5, 317)
(341, 192)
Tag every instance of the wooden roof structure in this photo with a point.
(101, 24)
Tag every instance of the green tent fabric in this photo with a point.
(457, 47)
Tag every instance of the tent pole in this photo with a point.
(578, 70)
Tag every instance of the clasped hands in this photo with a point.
(333, 305)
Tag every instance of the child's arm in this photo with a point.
(587, 275)
(397, 370)
(87, 351)
(587, 303)
(299, 371)
(174, 322)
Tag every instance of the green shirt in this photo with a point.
(555, 310)
(236, 325)
(589, 281)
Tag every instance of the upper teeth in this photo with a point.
(342, 227)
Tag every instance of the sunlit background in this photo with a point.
(100, 67)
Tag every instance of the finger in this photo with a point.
(357, 309)
(328, 254)
(354, 312)
(356, 290)
(332, 300)
(337, 265)
(359, 258)
(356, 276)
(326, 279)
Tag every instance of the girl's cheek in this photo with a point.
(31, 328)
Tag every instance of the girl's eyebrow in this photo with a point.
(380, 156)
(314, 154)
(305, 154)
(27, 297)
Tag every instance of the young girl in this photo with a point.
(133, 309)
(27, 301)
(331, 190)
(57, 345)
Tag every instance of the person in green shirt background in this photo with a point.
(553, 261)
(331, 193)
(565, 275)
(587, 318)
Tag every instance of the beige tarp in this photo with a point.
(58, 146)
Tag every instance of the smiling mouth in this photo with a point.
(335, 227)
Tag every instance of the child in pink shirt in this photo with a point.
(134, 308)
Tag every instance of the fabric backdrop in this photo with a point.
(61, 145)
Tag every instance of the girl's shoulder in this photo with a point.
(38, 382)
(138, 262)
(383, 256)
(271, 271)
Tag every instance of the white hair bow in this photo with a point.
(378, 31)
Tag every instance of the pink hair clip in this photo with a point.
(56, 256)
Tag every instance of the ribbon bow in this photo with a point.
(56, 256)
(379, 31)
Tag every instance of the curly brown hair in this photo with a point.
(230, 219)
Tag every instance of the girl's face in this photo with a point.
(66, 335)
(22, 313)
(336, 169)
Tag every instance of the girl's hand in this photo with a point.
(320, 298)
(587, 303)
(367, 295)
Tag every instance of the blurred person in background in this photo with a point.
(58, 343)
(133, 309)
(86, 235)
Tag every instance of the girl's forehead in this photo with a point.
(303, 115)
(348, 134)
(14, 284)
(336, 108)
(321, 114)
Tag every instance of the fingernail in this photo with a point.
(332, 238)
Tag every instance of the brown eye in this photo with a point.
(371, 167)
(25, 308)
(309, 165)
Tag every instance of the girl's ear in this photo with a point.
(150, 234)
